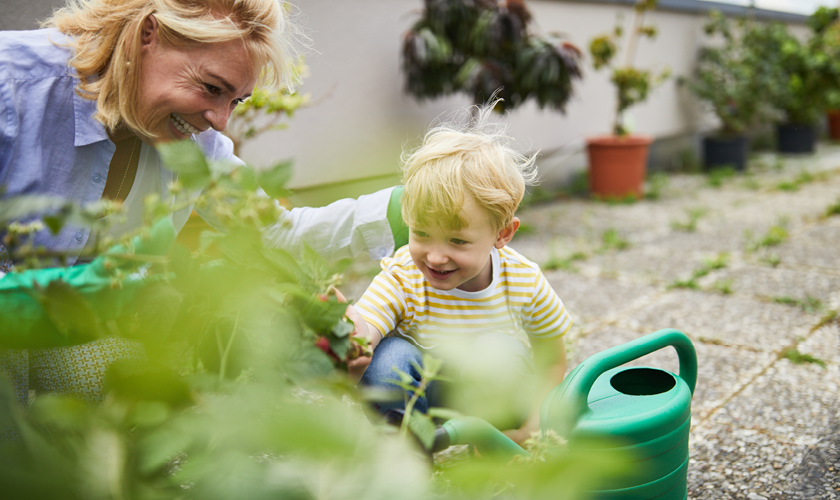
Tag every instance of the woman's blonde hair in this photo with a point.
(455, 164)
(106, 38)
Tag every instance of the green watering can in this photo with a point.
(641, 415)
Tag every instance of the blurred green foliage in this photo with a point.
(243, 392)
(480, 47)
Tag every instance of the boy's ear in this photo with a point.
(507, 232)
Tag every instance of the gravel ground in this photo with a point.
(750, 272)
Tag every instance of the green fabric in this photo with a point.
(26, 324)
(398, 227)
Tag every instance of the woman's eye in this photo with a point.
(236, 102)
(214, 90)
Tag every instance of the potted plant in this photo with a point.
(485, 47)
(618, 162)
(730, 79)
(825, 41)
(795, 84)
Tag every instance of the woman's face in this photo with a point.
(186, 91)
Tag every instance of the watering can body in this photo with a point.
(640, 416)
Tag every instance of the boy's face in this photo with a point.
(460, 259)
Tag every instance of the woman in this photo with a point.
(86, 100)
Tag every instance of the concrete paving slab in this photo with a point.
(816, 247)
(722, 371)
(728, 320)
(597, 300)
(781, 282)
(754, 443)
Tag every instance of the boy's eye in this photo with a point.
(459, 242)
(419, 234)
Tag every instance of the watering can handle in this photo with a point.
(584, 376)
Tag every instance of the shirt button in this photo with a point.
(97, 177)
(79, 236)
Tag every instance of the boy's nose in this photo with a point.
(435, 256)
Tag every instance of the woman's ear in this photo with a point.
(507, 232)
(149, 34)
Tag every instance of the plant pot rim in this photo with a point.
(620, 140)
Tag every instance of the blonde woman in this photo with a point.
(84, 101)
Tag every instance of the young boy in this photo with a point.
(457, 283)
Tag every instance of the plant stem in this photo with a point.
(226, 353)
(421, 389)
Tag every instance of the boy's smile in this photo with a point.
(450, 258)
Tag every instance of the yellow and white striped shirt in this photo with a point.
(401, 302)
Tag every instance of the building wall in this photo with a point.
(348, 141)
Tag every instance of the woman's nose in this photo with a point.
(218, 117)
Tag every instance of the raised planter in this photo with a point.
(795, 138)
(617, 165)
(725, 151)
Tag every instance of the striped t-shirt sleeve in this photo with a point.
(547, 317)
(383, 303)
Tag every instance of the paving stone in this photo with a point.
(593, 300)
(729, 320)
(816, 248)
(755, 442)
(781, 282)
(721, 372)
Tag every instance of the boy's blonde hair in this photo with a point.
(455, 164)
(106, 42)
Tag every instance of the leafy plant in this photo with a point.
(718, 176)
(799, 358)
(690, 226)
(825, 43)
(264, 111)
(731, 78)
(243, 392)
(481, 47)
(612, 240)
(632, 84)
(793, 70)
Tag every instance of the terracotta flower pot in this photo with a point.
(834, 124)
(617, 165)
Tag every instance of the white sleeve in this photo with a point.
(342, 229)
(345, 228)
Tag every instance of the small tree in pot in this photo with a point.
(796, 84)
(480, 47)
(825, 41)
(617, 163)
(731, 79)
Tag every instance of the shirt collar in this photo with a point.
(88, 129)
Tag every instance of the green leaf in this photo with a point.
(422, 426)
(68, 310)
(314, 264)
(157, 449)
(18, 207)
(137, 381)
(187, 160)
(274, 179)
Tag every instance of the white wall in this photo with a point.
(362, 117)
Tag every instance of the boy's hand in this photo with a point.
(356, 367)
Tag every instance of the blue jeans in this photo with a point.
(490, 376)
